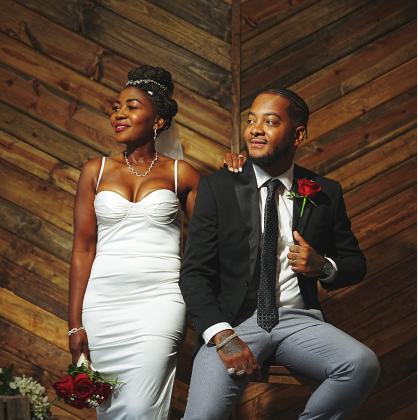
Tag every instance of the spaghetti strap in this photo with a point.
(175, 176)
(101, 171)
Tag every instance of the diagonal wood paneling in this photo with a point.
(354, 62)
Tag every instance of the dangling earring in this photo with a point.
(155, 133)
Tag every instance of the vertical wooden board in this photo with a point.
(33, 319)
(36, 196)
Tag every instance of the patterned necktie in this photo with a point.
(267, 314)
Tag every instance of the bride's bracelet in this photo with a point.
(74, 330)
(227, 340)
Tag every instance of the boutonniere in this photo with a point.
(307, 191)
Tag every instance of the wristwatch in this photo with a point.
(327, 269)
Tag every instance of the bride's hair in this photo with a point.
(159, 84)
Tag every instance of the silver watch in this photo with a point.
(327, 269)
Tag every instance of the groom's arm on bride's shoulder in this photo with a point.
(84, 250)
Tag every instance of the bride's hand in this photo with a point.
(233, 162)
(79, 344)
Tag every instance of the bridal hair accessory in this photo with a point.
(132, 169)
(82, 388)
(137, 82)
(74, 330)
(168, 142)
(227, 340)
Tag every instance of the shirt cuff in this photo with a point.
(209, 333)
(334, 273)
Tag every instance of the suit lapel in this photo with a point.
(247, 194)
(299, 223)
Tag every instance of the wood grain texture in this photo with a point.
(338, 39)
(176, 30)
(213, 17)
(97, 23)
(106, 66)
(307, 22)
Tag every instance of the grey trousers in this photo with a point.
(301, 341)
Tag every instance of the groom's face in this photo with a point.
(270, 134)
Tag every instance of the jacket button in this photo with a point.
(231, 314)
(246, 284)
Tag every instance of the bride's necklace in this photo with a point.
(132, 169)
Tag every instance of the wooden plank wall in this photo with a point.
(61, 66)
(354, 62)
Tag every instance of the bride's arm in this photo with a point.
(84, 250)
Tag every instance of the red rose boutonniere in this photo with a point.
(307, 191)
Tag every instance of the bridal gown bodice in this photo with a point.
(133, 311)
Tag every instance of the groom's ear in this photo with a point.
(300, 133)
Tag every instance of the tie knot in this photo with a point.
(272, 185)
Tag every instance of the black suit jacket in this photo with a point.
(224, 239)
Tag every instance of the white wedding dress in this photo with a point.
(133, 311)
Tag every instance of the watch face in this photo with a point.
(328, 268)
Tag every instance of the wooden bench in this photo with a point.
(281, 375)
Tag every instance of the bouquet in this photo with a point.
(14, 385)
(82, 388)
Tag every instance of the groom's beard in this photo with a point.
(279, 153)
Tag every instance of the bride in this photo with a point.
(125, 306)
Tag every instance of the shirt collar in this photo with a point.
(286, 178)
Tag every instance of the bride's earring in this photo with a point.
(155, 133)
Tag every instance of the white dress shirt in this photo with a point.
(287, 287)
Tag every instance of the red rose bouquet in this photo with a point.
(82, 388)
(307, 191)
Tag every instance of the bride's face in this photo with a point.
(134, 116)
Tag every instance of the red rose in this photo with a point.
(308, 188)
(77, 403)
(102, 391)
(64, 386)
(83, 387)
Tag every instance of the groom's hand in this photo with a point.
(236, 354)
(304, 259)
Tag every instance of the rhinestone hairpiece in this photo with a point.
(137, 82)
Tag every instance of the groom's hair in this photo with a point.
(297, 110)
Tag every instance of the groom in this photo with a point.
(254, 254)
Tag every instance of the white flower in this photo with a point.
(13, 385)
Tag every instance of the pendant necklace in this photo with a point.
(133, 171)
